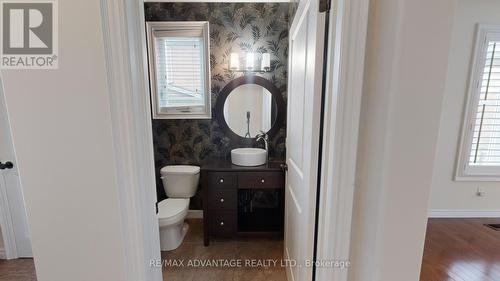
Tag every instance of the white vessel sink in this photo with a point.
(248, 156)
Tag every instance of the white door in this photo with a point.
(304, 107)
(13, 220)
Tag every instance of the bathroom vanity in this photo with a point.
(245, 199)
(240, 201)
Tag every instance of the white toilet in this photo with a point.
(180, 183)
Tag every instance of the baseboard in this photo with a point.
(3, 256)
(195, 214)
(464, 213)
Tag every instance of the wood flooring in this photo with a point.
(17, 270)
(461, 250)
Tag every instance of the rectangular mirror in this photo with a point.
(179, 61)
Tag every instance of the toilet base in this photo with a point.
(171, 237)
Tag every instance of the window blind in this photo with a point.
(485, 148)
(180, 72)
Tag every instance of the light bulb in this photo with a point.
(266, 61)
(250, 61)
(234, 62)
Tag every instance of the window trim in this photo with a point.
(464, 172)
(152, 29)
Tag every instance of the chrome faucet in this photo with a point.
(264, 137)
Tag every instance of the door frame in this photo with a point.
(348, 22)
(123, 28)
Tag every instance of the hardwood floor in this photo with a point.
(461, 250)
(18, 270)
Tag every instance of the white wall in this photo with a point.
(62, 135)
(448, 194)
(406, 60)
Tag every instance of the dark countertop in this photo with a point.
(225, 165)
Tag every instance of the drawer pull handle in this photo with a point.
(222, 200)
(221, 223)
(262, 181)
(221, 180)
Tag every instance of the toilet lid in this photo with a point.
(172, 206)
(180, 170)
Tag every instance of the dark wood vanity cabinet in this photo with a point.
(242, 200)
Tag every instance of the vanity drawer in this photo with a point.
(261, 180)
(222, 199)
(223, 223)
(222, 180)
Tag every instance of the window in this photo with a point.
(179, 70)
(480, 153)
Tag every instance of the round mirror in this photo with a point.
(250, 109)
(249, 105)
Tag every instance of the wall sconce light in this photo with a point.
(250, 63)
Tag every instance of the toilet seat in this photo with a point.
(172, 211)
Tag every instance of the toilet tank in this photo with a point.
(180, 181)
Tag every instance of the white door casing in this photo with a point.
(303, 130)
(343, 90)
(13, 220)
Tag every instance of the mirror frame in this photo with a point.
(250, 79)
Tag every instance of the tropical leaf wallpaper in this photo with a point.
(234, 27)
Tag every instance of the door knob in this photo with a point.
(6, 165)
